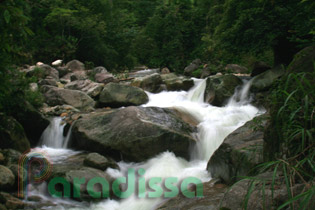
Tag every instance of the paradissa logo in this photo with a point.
(99, 187)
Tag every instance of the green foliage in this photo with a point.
(197, 73)
(292, 119)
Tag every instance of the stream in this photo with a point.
(215, 123)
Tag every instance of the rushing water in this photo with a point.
(215, 123)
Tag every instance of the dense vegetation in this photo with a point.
(119, 34)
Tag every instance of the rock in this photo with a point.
(165, 71)
(234, 68)
(78, 75)
(6, 178)
(75, 65)
(58, 96)
(260, 198)
(58, 110)
(56, 63)
(10, 202)
(149, 83)
(100, 70)
(206, 72)
(71, 171)
(265, 80)
(117, 95)
(51, 82)
(34, 87)
(259, 67)
(49, 71)
(98, 161)
(134, 133)
(143, 73)
(63, 71)
(177, 83)
(92, 89)
(239, 152)
(12, 134)
(213, 193)
(192, 67)
(303, 61)
(11, 156)
(220, 88)
(104, 78)
(33, 122)
(39, 63)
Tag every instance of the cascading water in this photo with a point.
(53, 135)
(215, 123)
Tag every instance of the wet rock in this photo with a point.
(117, 95)
(12, 135)
(92, 89)
(58, 110)
(177, 83)
(264, 81)
(220, 88)
(98, 161)
(6, 178)
(11, 156)
(58, 96)
(239, 152)
(133, 133)
(149, 83)
(75, 65)
(78, 75)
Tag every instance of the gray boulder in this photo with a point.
(133, 133)
(220, 88)
(57, 96)
(6, 178)
(234, 68)
(303, 61)
(104, 77)
(259, 67)
(239, 152)
(98, 161)
(117, 95)
(151, 83)
(75, 65)
(192, 67)
(264, 81)
(99, 69)
(12, 135)
(177, 83)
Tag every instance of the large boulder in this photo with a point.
(220, 88)
(213, 193)
(303, 61)
(133, 133)
(117, 95)
(151, 83)
(104, 77)
(92, 89)
(98, 161)
(33, 122)
(58, 96)
(99, 69)
(75, 65)
(177, 83)
(259, 67)
(12, 134)
(6, 178)
(192, 67)
(239, 152)
(264, 81)
(234, 68)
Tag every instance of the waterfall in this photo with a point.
(53, 136)
(241, 96)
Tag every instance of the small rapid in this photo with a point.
(214, 125)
